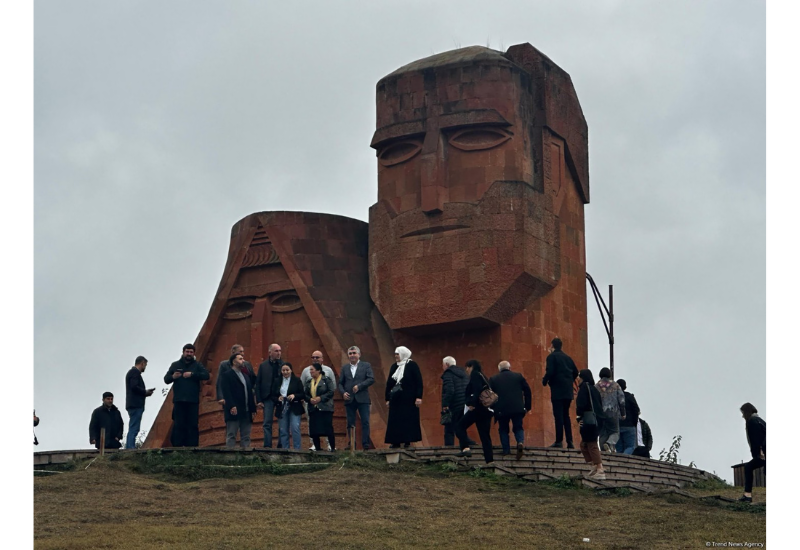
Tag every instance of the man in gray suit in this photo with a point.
(355, 379)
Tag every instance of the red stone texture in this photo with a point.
(474, 249)
(294, 278)
(477, 238)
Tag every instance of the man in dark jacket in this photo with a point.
(225, 366)
(237, 393)
(513, 401)
(267, 386)
(454, 382)
(135, 394)
(186, 375)
(355, 378)
(627, 426)
(756, 431)
(560, 374)
(106, 416)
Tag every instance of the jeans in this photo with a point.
(561, 417)
(363, 411)
(627, 440)
(134, 425)
(185, 416)
(269, 414)
(289, 422)
(244, 426)
(516, 424)
(609, 432)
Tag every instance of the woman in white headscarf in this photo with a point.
(403, 397)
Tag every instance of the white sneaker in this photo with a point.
(600, 476)
(329, 447)
(313, 448)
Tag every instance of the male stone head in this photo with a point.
(465, 231)
(353, 354)
(140, 363)
(448, 362)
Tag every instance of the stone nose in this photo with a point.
(433, 190)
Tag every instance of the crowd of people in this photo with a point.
(608, 415)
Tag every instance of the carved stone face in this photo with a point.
(460, 235)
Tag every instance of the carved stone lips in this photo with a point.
(434, 229)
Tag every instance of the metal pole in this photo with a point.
(102, 441)
(611, 325)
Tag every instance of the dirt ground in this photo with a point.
(368, 505)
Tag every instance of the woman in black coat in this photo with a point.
(403, 397)
(589, 433)
(291, 395)
(756, 430)
(476, 414)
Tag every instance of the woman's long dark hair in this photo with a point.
(587, 376)
(474, 364)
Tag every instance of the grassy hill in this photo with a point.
(184, 501)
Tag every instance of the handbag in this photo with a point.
(446, 418)
(397, 388)
(487, 396)
(589, 418)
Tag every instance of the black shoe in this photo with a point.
(570, 445)
(505, 453)
(520, 450)
(745, 499)
(466, 452)
(556, 445)
(472, 443)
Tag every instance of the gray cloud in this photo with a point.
(159, 126)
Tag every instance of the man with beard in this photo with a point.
(186, 374)
(225, 366)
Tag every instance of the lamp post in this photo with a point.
(605, 311)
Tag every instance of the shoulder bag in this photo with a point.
(589, 418)
(487, 396)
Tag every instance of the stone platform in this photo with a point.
(545, 463)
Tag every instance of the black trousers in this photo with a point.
(561, 416)
(749, 468)
(483, 421)
(184, 424)
(450, 429)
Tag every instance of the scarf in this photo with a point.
(405, 355)
(314, 384)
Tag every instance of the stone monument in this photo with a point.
(475, 247)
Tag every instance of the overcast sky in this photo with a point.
(159, 125)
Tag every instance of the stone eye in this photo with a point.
(474, 139)
(398, 152)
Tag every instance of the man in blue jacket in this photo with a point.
(186, 376)
(135, 394)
